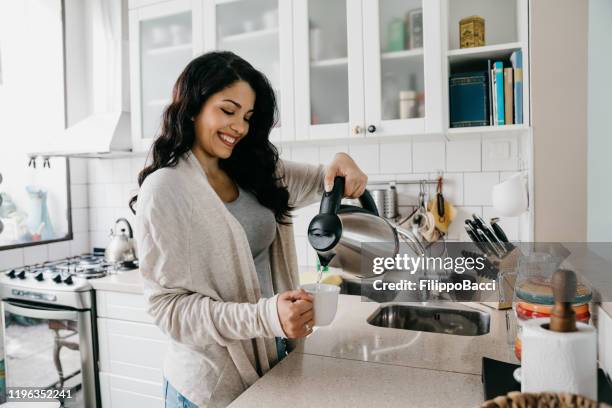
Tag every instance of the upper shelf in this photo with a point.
(418, 52)
(486, 52)
(250, 35)
(169, 49)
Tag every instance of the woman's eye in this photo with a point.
(227, 112)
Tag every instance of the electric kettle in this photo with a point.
(347, 236)
(121, 247)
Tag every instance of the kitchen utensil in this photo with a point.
(390, 202)
(499, 232)
(407, 104)
(325, 302)
(379, 200)
(510, 197)
(488, 232)
(121, 247)
(342, 234)
(442, 209)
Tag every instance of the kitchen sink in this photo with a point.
(434, 319)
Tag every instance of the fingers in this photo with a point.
(295, 295)
(330, 173)
(307, 316)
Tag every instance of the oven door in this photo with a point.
(51, 348)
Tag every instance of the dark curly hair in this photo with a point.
(253, 162)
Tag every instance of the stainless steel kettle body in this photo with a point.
(348, 236)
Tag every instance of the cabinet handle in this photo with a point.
(357, 130)
(371, 128)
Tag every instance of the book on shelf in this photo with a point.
(498, 89)
(469, 99)
(516, 59)
(508, 95)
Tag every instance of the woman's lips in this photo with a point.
(225, 139)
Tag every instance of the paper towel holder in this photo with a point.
(563, 316)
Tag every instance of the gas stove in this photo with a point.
(53, 282)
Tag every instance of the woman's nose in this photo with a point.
(240, 127)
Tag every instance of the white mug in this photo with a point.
(510, 197)
(325, 302)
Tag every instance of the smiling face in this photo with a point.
(224, 120)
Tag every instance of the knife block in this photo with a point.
(506, 279)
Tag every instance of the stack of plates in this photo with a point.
(534, 298)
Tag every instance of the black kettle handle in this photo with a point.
(131, 233)
(330, 203)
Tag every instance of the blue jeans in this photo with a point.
(174, 399)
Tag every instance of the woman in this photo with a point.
(214, 234)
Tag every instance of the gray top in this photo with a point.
(260, 227)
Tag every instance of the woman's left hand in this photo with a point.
(355, 179)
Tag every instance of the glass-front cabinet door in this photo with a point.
(402, 66)
(260, 32)
(328, 54)
(164, 37)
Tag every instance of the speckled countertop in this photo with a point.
(354, 364)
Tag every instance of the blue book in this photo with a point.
(517, 63)
(498, 69)
(469, 99)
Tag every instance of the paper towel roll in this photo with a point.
(559, 362)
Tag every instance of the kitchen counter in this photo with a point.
(126, 282)
(352, 363)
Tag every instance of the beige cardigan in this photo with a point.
(200, 280)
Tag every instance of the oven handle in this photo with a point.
(40, 313)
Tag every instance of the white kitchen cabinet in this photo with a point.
(131, 352)
(259, 31)
(118, 391)
(164, 37)
(352, 60)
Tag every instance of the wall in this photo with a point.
(559, 118)
(599, 123)
(471, 165)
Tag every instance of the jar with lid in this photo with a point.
(407, 104)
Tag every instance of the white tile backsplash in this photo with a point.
(327, 152)
(122, 171)
(35, 254)
(395, 157)
(463, 155)
(452, 187)
(456, 230)
(80, 218)
(79, 195)
(478, 188)
(11, 258)
(78, 171)
(428, 156)
(305, 154)
(510, 225)
(59, 250)
(366, 157)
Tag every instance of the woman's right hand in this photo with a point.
(296, 313)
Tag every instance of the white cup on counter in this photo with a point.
(325, 302)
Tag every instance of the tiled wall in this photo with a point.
(80, 227)
(472, 164)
